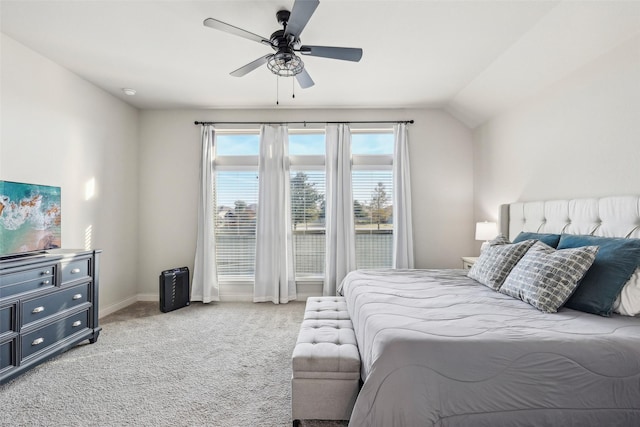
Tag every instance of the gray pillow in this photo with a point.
(546, 278)
(496, 261)
(500, 239)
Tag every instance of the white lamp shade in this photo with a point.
(486, 230)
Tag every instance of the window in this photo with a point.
(372, 184)
(236, 204)
(236, 201)
(306, 153)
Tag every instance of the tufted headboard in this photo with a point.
(617, 216)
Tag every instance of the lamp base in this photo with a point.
(484, 246)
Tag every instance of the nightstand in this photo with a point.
(468, 261)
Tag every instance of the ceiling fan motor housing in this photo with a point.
(280, 40)
(283, 16)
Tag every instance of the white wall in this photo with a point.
(441, 170)
(579, 138)
(58, 129)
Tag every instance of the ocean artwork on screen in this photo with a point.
(30, 218)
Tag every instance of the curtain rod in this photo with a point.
(304, 123)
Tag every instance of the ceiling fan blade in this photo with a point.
(344, 53)
(251, 66)
(231, 29)
(304, 79)
(300, 15)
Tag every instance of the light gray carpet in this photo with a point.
(224, 364)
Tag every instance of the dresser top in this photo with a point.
(45, 256)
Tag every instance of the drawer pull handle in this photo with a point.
(45, 282)
(37, 310)
(76, 323)
(46, 272)
(77, 296)
(75, 271)
(37, 341)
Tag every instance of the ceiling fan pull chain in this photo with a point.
(293, 89)
(277, 90)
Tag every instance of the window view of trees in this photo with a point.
(307, 203)
(373, 215)
(241, 218)
(377, 211)
(308, 208)
(236, 195)
(307, 220)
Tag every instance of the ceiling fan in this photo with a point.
(286, 43)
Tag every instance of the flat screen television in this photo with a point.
(30, 218)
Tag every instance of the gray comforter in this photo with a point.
(440, 349)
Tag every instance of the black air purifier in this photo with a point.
(174, 289)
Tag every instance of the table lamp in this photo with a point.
(486, 231)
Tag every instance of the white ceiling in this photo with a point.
(473, 58)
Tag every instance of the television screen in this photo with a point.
(30, 218)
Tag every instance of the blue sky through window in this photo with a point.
(372, 143)
(303, 144)
(306, 144)
(237, 144)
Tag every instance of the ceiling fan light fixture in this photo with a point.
(285, 64)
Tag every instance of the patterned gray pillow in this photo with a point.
(546, 277)
(496, 261)
(500, 239)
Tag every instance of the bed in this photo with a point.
(439, 348)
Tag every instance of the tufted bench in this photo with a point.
(326, 363)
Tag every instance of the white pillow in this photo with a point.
(628, 302)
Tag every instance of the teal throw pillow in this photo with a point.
(615, 262)
(546, 238)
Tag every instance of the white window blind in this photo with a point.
(308, 222)
(372, 211)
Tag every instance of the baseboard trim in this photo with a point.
(148, 297)
(105, 311)
(237, 293)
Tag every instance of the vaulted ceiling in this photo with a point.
(473, 58)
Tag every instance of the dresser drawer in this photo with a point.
(7, 316)
(27, 280)
(76, 270)
(52, 303)
(7, 354)
(26, 275)
(46, 336)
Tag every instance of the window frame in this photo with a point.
(233, 163)
(371, 162)
(303, 163)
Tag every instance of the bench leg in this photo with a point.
(296, 423)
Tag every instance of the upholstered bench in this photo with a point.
(326, 363)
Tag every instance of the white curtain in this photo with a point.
(340, 252)
(205, 275)
(275, 279)
(402, 224)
